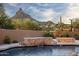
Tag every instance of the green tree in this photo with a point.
(6, 23)
(2, 21)
(17, 23)
(31, 25)
(9, 25)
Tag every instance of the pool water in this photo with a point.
(41, 51)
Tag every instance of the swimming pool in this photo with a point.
(41, 51)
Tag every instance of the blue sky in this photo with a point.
(45, 11)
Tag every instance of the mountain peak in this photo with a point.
(20, 11)
(20, 14)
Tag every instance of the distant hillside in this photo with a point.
(48, 23)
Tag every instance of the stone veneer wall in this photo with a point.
(38, 41)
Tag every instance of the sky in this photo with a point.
(45, 11)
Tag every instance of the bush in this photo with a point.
(65, 35)
(48, 34)
(7, 40)
(15, 41)
(76, 36)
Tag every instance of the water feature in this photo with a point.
(41, 51)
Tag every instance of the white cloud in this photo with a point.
(71, 12)
(48, 14)
(13, 4)
(43, 4)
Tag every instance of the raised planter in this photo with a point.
(36, 41)
(66, 40)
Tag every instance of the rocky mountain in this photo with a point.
(20, 14)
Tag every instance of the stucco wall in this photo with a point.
(18, 34)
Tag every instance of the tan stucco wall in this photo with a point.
(18, 34)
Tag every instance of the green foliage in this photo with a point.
(14, 41)
(9, 25)
(7, 40)
(26, 24)
(76, 36)
(48, 34)
(6, 23)
(65, 35)
(2, 21)
(31, 25)
(20, 24)
(17, 23)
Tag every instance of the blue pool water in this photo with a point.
(41, 51)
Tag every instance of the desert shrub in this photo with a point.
(7, 40)
(14, 41)
(48, 34)
(65, 35)
(76, 36)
